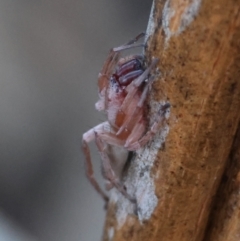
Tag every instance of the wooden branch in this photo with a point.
(198, 44)
(224, 224)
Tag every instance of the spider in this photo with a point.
(123, 87)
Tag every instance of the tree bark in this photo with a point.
(224, 220)
(198, 44)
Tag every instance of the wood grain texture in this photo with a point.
(224, 220)
(199, 51)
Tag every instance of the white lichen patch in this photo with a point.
(176, 16)
(110, 233)
(139, 181)
(167, 15)
(151, 24)
(189, 14)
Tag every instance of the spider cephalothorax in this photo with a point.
(123, 87)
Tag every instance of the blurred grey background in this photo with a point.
(50, 54)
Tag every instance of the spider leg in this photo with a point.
(133, 146)
(132, 90)
(137, 132)
(111, 139)
(88, 137)
(135, 39)
(130, 44)
(132, 116)
(108, 171)
(134, 120)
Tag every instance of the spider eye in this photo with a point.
(113, 80)
(114, 84)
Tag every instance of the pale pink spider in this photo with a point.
(123, 87)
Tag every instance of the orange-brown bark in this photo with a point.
(224, 221)
(199, 51)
